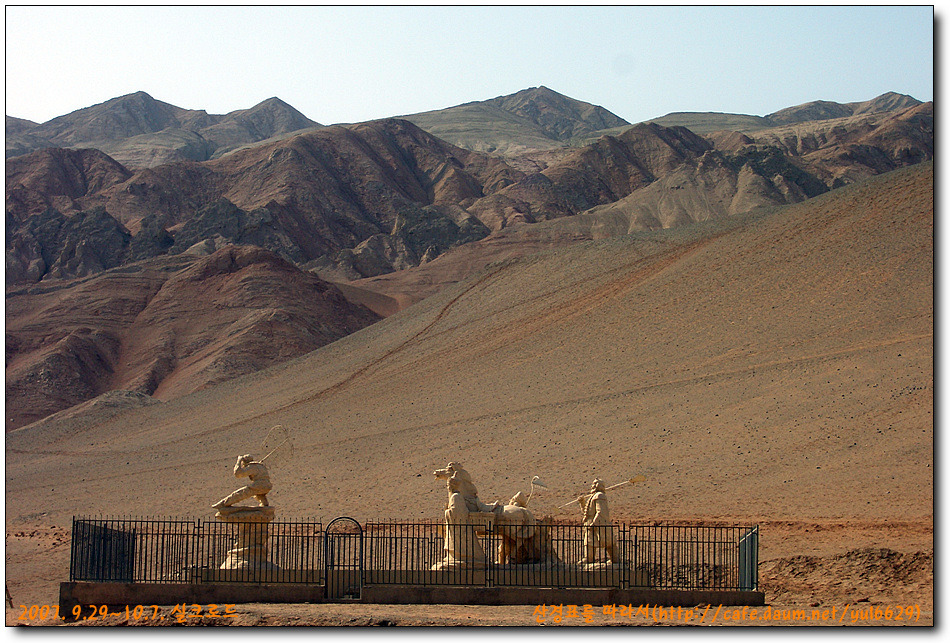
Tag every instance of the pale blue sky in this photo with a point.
(349, 64)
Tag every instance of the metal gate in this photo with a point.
(343, 553)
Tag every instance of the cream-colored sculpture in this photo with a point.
(258, 486)
(521, 540)
(598, 530)
(516, 525)
(466, 487)
(461, 547)
(249, 550)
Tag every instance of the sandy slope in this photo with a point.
(779, 370)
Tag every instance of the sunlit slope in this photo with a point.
(782, 367)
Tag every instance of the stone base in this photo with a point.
(455, 565)
(120, 595)
(601, 566)
(250, 548)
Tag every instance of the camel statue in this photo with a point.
(521, 541)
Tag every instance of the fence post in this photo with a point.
(490, 553)
(198, 552)
(73, 551)
(748, 560)
(625, 565)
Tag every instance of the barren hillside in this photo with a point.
(778, 369)
(164, 327)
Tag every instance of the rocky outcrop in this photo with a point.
(67, 180)
(648, 156)
(851, 149)
(165, 327)
(51, 245)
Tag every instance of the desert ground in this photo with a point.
(775, 368)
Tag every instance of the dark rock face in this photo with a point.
(151, 240)
(59, 178)
(769, 162)
(223, 223)
(52, 245)
(90, 242)
(179, 323)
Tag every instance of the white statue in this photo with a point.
(521, 539)
(454, 471)
(249, 550)
(461, 546)
(516, 525)
(598, 530)
(258, 486)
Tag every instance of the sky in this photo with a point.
(351, 64)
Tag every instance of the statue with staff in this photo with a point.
(598, 528)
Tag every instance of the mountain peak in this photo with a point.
(268, 118)
(560, 117)
(273, 101)
(886, 102)
(139, 94)
(540, 90)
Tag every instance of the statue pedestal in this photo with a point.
(601, 566)
(250, 548)
(461, 548)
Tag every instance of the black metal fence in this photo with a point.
(195, 551)
(658, 556)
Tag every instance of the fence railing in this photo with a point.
(622, 555)
(193, 551)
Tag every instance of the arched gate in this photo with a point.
(343, 554)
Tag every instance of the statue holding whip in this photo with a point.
(258, 482)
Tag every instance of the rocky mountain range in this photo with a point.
(139, 131)
(819, 110)
(530, 120)
(139, 187)
(363, 200)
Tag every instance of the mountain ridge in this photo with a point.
(361, 200)
(165, 327)
(393, 213)
(708, 122)
(535, 116)
(121, 126)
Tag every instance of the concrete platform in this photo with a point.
(118, 595)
